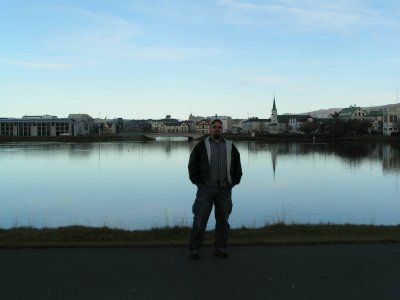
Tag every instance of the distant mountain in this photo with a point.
(326, 113)
(323, 113)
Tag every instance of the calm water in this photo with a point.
(137, 185)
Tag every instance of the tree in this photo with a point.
(350, 127)
(335, 115)
(310, 128)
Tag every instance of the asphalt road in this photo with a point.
(288, 272)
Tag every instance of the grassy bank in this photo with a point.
(277, 234)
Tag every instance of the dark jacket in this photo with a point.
(199, 166)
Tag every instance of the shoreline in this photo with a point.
(75, 139)
(233, 137)
(278, 234)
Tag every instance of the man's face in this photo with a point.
(216, 130)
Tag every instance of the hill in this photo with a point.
(325, 113)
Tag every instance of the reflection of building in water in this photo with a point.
(352, 154)
(390, 158)
(274, 157)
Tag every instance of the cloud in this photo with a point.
(95, 33)
(169, 53)
(189, 12)
(304, 15)
(37, 64)
(107, 36)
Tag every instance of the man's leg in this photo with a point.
(201, 209)
(223, 208)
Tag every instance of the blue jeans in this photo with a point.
(206, 197)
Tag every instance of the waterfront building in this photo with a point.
(375, 117)
(203, 126)
(159, 125)
(46, 125)
(137, 126)
(277, 124)
(177, 127)
(391, 119)
(36, 126)
(195, 118)
(83, 124)
(155, 125)
(255, 125)
(351, 113)
(293, 123)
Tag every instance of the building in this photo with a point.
(159, 125)
(137, 126)
(375, 117)
(255, 125)
(105, 126)
(391, 119)
(277, 124)
(351, 113)
(83, 124)
(203, 126)
(46, 125)
(178, 127)
(293, 123)
(195, 118)
(36, 126)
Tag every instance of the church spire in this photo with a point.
(274, 114)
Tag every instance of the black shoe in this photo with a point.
(220, 252)
(194, 254)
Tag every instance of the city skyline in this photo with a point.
(225, 57)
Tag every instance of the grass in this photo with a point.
(276, 234)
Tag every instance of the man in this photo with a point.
(214, 166)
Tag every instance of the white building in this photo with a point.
(391, 119)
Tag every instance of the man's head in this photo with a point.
(216, 129)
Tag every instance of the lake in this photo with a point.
(140, 185)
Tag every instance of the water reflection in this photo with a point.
(350, 153)
(391, 159)
(145, 184)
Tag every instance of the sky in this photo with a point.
(152, 58)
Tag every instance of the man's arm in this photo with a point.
(194, 165)
(236, 166)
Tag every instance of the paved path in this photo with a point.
(288, 272)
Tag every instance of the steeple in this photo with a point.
(274, 114)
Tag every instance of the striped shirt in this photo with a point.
(218, 162)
